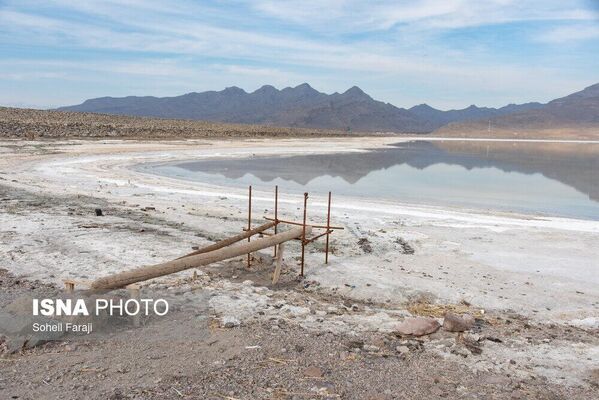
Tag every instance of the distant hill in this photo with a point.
(22, 123)
(301, 106)
(439, 118)
(572, 116)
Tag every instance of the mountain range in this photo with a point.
(575, 115)
(353, 110)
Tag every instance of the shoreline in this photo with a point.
(496, 264)
(116, 180)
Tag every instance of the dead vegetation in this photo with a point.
(427, 309)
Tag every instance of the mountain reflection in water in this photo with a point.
(547, 178)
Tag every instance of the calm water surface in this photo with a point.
(539, 178)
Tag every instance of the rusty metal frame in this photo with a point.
(328, 228)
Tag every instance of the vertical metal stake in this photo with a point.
(304, 233)
(249, 220)
(326, 254)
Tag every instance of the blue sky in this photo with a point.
(447, 53)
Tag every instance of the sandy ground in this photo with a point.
(540, 270)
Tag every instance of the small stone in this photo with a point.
(418, 326)
(230, 322)
(334, 311)
(475, 337)
(456, 323)
(313, 372)
(15, 345)
(99, 212)
(496, 380)
(70, 347)
(461, 351)
(355, 344)
(371, 348)
(402, 349)
(593, 377)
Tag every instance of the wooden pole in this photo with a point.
(170, 267)
(277, 273)
(69, 286)
(326, 251)
(304, 233)
(134, 293)
(231, 240)
(249, 221)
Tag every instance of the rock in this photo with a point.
(371, 348)
(495, 380)
(334, 311)
(593, 377)
(35, 341)
(460, 350)
(418, 326)
(474, 337)
(313, 372)
(15, 344)
(406, 248)
(456, 323)
(365, 245)
(474, 346)
(355, 344)
(99, 212)
(230, 322)
(402, 349)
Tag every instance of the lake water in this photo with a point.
(556, 179)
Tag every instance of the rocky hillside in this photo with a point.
(569, 117)
(27, 123)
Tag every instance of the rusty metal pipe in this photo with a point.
(249, 221)
(304, 233)
(326, 251)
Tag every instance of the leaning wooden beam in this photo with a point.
(153, 271)
(229, 241)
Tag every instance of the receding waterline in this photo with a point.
(553, 179)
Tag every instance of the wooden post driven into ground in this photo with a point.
(278, 265)
(153, 271)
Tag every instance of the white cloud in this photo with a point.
(179, 44)
(420, 15)
(572, 33)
